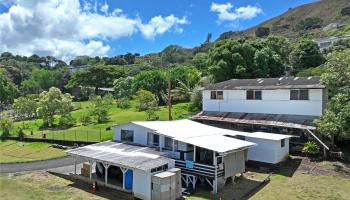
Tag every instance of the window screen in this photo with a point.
(220, 95)
(257, 95)
(283, 143)
(304, 94)
(213, 95)
(299, 95)
(127, 135)
(168, 143)
(250, 94)
(254, 94)
(216, 95)
(294, 95)
(155, 139)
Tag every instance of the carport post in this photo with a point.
(106, 165)
(124, 171)
(91, 161)
(75, 166)
(215, 185)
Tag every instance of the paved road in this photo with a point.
(37, 165)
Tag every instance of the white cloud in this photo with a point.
(225, 12)
(159, 25)
(104, 8)
(66, 28)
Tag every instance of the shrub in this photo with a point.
(145, 100)
(310, 148)
(85, 118)
(6, 124)
(66, 121)
(123, 103)
(262, 31)
(151, 115)
(309, 23)
(196, 100)
(20, 133)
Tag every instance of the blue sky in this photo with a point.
(66, 28)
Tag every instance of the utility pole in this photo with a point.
(169, 97)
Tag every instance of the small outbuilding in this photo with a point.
(271, 148)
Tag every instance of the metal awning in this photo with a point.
(122, 155)
(279, 120)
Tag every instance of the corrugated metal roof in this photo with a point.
(124, 155)
(289, 121)
(312, 82)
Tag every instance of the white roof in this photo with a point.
(263, 135)
(218, 143)
(197, 134)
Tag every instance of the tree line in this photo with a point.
(146, 78)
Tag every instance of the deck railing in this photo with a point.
(198, 169)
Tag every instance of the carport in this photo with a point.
(137, 164)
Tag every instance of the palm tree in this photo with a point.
(184, 90)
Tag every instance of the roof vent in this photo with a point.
(280, 78)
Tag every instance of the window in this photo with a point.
(299, 95)
(168, 143)
(127, 135)
(152, 139)
(254, 95)
(283, 141)
(216, 95)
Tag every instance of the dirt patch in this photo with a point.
(328, 168)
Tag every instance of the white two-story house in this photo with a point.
(280, 105)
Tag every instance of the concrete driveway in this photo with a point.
(56, 163)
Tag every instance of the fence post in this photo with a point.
(100, 134)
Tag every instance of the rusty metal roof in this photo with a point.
(312, 82)
(289, 121)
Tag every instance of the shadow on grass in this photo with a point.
(285, 168)
(103, 192)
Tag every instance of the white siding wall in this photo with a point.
(142, 184)
(268, 151)
(273, 102)
(283, 152)
(140, 133)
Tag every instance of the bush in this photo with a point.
(151, 115)
(309, 23)
(66, 121)
(262, 31)
(85, 118)
(123, 103)
(145, 100)
(6, 124)
(20, 133)
(310, 148)
(196, 100)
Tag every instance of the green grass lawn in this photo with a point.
(91, 132)
(305, 186)
(14, 151)
(40, 186)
